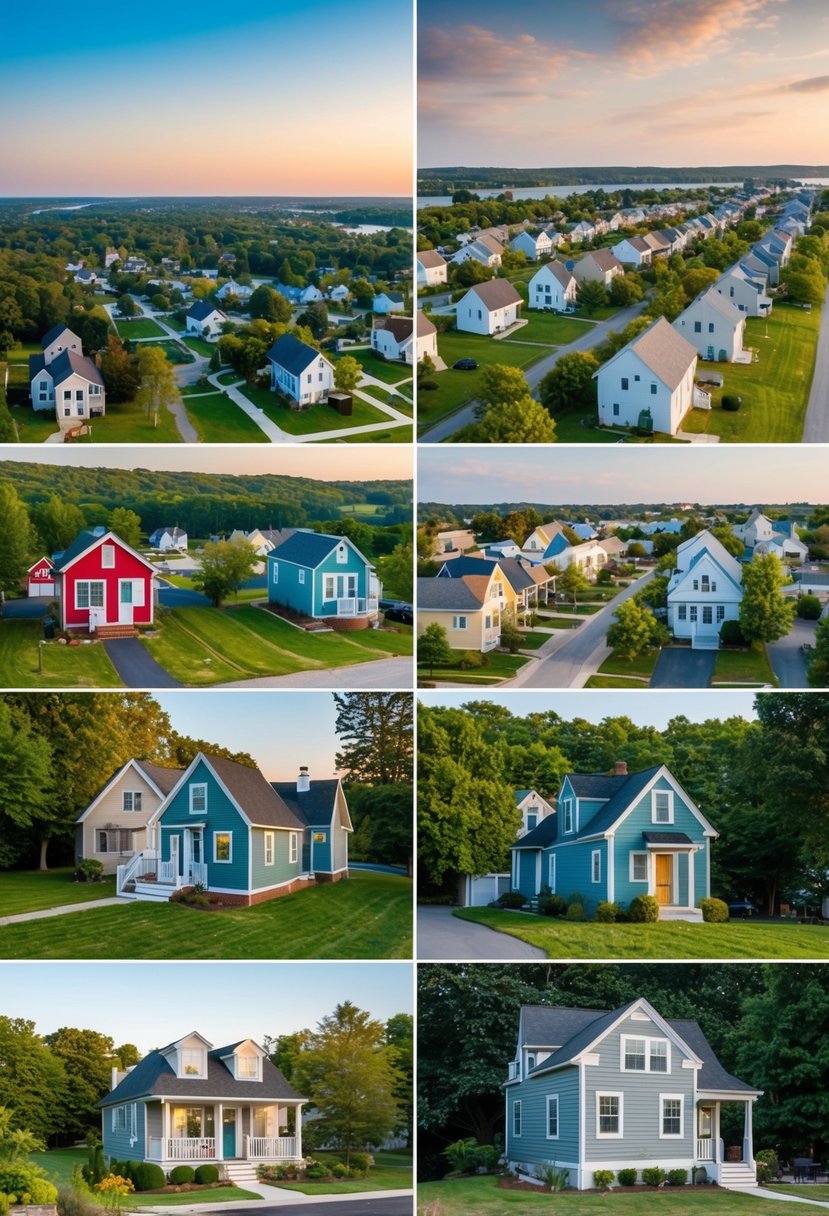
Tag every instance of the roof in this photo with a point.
(395, 296)
(497, 293)
(605, 259)
(399, 327)
(256, 796)
(309, 548)
(314, 805)
(559, 272)
(664, 351)
(54, 333)
(155, 1076)
(87, 540)
(424, 326)
(666, 838)
(200, 310)
(292, 354)
(711, 298)
(165, 778)
(515, 572)
(66, 364)
(174, 532)
(430, 258)
(594, 785)
(450, 594)
(542, 835)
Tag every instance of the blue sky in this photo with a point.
(151, 1004)
(618, 474)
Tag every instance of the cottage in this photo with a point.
(484, 249)
(539, 540)
(64, 380)
(633, 251)
(651, 380)
(534, 244)
(167, 538)
(40, 579)
(103, 585)
(553, 286)
(746, 292)
(704, 590)
(232, 288)
(598, 266)
(760, 535)
(431, 268)
(389, 301)
(714, 327)
(488, 308)
(189, 1102)
(324, 576)
(453, 542)
(589, 557)
(205, 319)
(256, 538)
(595, 1090)
(115, 825)
(583, 231)
(468, 608)
(299, 371)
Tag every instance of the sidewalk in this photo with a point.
(271, 1195)
(43, 913)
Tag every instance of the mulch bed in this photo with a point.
(516, 1184)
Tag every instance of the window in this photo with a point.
(671, 1120)
(663, 806)
(642, 1054)
(552, 1116)
(516, 1118)
(293, 847)
(608, 1116)
(698, 327)
(636, 1055)
(119, 1118)
(192, 1062)
(131, 801)
(720, 613)
(710, 327)
(705, 583)
(659, 1055)
(638, 867)
(551, 872)
(300, 577)
(693, 614)
(269, 848)
(682, 612)
(223, 846)
(342, 554)
(248, 1068)
(707, 615)
(532, 820)
(596, 866)
(653, 390)
(198, 799)
(89, 594)
(459, 622)
(625, 382)
(567, 808)
(79, 394)
(67, 394)
(275, 572)
(615, 410)
(328, 585)
(530, 1061)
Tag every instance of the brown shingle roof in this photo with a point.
(424, 326)
(430, 258)
(399, 327)
(164, 778)
(604, 259)
(497, 293)
(664, 351)
(254, 794)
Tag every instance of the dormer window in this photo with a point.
(193, 1062)
(248, 1068)
(567, 811)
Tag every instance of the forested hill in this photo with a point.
(205, 503)
(445, 178)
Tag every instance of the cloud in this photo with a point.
(811, 84)
(472, 54)
(655, 35)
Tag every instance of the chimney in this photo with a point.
(303, 781)
(620, 768)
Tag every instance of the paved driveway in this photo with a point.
(25, 610)
(180, 597)
(392, 1204)
(787, 660)
(136, 667)
(816, 426)
(440, 935)
(678, 667)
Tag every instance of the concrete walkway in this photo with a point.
(762, 1193)
(442, 936)
(377, 673)
(816, 426)
(257, 415)
(45, 913)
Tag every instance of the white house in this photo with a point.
(761, 535)
(232, 288)
(714, 327)
(705, 589)
(653, 374)
(205, 319)
(633, 251)
(63, 381)
(589, 556)
(484, 249)
(431, 268)
(488, 308)
(167, 538)
(397, 340)
(744, 292)
(388, 301)
(339, 292)
(552, 286)
(598, 266)
(426, 340)
(539, 540)
(583, 231)
(534, 244)
(299, 371)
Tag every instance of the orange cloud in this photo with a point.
(657, 34)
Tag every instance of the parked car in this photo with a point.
(465, 365)
(401, 612)
(743, 908)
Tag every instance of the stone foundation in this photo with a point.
(348, 624)
(330, 877)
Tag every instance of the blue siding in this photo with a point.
(574, 872)
(527, 865)
(532, 1145)
(221, 816)
(354, 565)
(285, 585)
(587, 810)
(321, 849)
(629, 838)
(120, 1144)
(303, 589)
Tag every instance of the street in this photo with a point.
(440, 935)
(816, 426)
(393, 1204)
(786, 657)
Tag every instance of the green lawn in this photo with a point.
(775, 390)
(579, 610)
(390, 1172)
(642, 665)
(550, 328)
(615, 682)
(483, 1197)
(392, 434)
(127, 424)
(664, 940)
(562, 622)
(200, 346)
(85, 666)
(534, 640)
(219, 420)
(319, 417)
(175, 351)
(33, 426)
(368, 916)
(456, 388)
(18, 361)
(808, 1190)
(389, 373)
(500, 667)
(743, 667)
(31, 890)
(175, 321)
(61, 1163)
(230, 377)
(141, 327)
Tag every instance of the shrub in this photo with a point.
(644, 909)
(768, 1164)
(207, 1174)
(714, 911)
(808, 608)
(470, 660)
(4, 1205)
(362, 1162)
(731, 634)
(677, 1177)
(180, 1174)
(89, 870)
(75, 1200)
(606, 912)
(552, 1175)
(20, 1178)
(512, 899)
(654, 1176)
(627, 1177)
(603, 1179)
(575, 912)
(552, 905)
(731, 402)
(147, 1176)
(339, 1170)
(576, 897)
(485, 1158)
(316, 1170)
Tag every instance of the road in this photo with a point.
(440, 935)
(787, 659)
(447, 427)
(579, 653)
(681, 667)
(392, 1204)
(136, 667)
(816, 426)
(379, 673)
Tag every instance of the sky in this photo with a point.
(247, 1000)
(359, 463)
(268, 97)
(622, 82)
(656, 709)
(628, 473)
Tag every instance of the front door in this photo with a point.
(175, 845)
(664, 878)
(229, 1133)
(195, 855)
(125, 605)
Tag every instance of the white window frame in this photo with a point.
(119, 1118)
(552, 1099)
(256, 1075)
(648, 1040)
(293, 847)
(620, 1097)
(107, 555)
(663, 1098)
(301, 577)
(329, 587)
(460, 623)
(596, 865)
(633, 857)
(551, 872)
(669, 794)
(187, 1064)
(268, 849)
(223, 861)
(135, 799)
(516, 1111)
(89, 583)
(198, 785)
(567, 812)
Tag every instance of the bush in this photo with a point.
(606, 912)
(207, 1174)
(552, 905)
(316, 1170)
(552, 1175)
(20, 1178)
(808, 608)
(575, 912)
(512, 899)
(643, 910)
(677, 1177)
(731, 634)
(75, 1200)
(485, 1158)
(768, 1164)
(180, 1174)
(654, 1176)
(714, 911)
(89, 870)
(470, 660)
(602, 1179)
(147, 1176)
(627, 1177)
(361, 1162)
(731, 402)
(576, 897)
(339, 1170)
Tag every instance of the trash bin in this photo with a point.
(48, 628)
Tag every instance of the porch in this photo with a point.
(670, 858)
(203, 1149)
(223, 1132)
(146, 876)
(728, 1165)
(350, 606)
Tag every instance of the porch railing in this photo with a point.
(705, 1150)
(356, 605)
(191, 1148)
(128, 872)
(270, 1147)
(167, 873)
(198, 871)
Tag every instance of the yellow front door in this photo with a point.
(664, 878)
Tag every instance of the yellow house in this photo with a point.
(470, 609)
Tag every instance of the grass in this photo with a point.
(32, 890)
(392, 434)
(775, 390)
(85, 666)
(228, 377)
(175, 351)
(615, 682)
(534, 640)
(642, 665)
(61, 1163)
(483, 1197)
(18, 361)
(389, 373)
(663, 940)
(809, 1190)
(141, 327)
(457, 388)
(549, 328)
(175, 321)
(219, 420)
(319, 417)
(562, 622)
(123, 423)
(33, 426)
(743, 667)
(368, 916)
(579, 610)
(200, 346)
(499, 667)
(390, 1172)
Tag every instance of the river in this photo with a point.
(444, 200)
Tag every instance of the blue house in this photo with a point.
(618, 835)
(193, 1103)
(324, 576)
(225, 828)
(628, 1089)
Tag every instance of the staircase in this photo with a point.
(737, 1175)
(705, 641)
(666, 913)
(107, 632)
(240, 1173)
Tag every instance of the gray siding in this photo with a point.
(532, 1145)
(120, 1144)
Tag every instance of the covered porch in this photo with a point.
(223, 1131)
(147, 876)
(671, 877)
(728, 1165)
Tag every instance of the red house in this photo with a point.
(105, 587)
(40, 579)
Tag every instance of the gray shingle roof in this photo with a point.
(664, 351)
(292, 354)
(666, 838)
(307, 548)
(446, 594)
(200, 310)
(631, 789)
(312, 806)
(497, 293)
(542, 835)
(82, 542)
(256, 796)
(515, 574)
(155, 1077)
(69, 363)
(595, 785)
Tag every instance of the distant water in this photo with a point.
(368, 229)
(444, 200)
(813, 181)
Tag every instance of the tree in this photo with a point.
(396, 569)
(316, 318)
(215, 364)
(635, 630)
(573, 582)
(25, 781)
(522, 420)
(400, 1036)
(93, 329)
(625, 289)
(57, 522)
(376, 731)
(127, 306)
(87, 1058)
(765, 613)
(592, 294)
(433, 649)
(511, 637)
(127, 525)
(120, 372)
(570, 384)
(818, 674)
(17, 539)
(269, 304)
(158, 390)
(225, 564)
(347, 373)
(383, 820)
(33, 1082)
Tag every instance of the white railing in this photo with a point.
(167, 873)
(191, 1148)
(270, 1148)
(127, 872)
(705, 1150)
(356, 606)
(198, 872)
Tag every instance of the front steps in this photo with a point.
(737, 1175)
(691, 914)
(240, 1173)
(152, 892)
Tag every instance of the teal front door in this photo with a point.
(229, 1133)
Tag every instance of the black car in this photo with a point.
(465, 365)
(400, 612)
(743, 908)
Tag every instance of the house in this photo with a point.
(389, 301)
(539, 540)
(650, 381)
(552, 286)
(633, 251)
(613, 546)
(510, 591)
(103, 585)
(704, 590)
(40, 581)
(760, 535)
(453, 543)
(598, 266)
(114, 827)
(659, 245)
(232, 288)
(618, 835)
(476, 891)
(191, 1102)
(534, 244)
(468, 608)
(86, 278)
(431, 268)
(484, 249)
(595, 1090)
(584, 531)
(583, 231)
(299, 371)
(205, 319)
(111, 255)
(404, 339)
(488, 308)
(324, 577)
(167, 538)
(255, 538)
(589, 556)
(744, 291)
(64, 380)
(135, 265)
(714, 327)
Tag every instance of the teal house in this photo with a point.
(618, 835)
(224, 828)
(326, 577)
(626, 1089)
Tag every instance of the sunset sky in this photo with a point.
(268, 97)
(622, 82)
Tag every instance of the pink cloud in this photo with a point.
(656, 35)
(471, 53)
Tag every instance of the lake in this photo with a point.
(444, 200)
